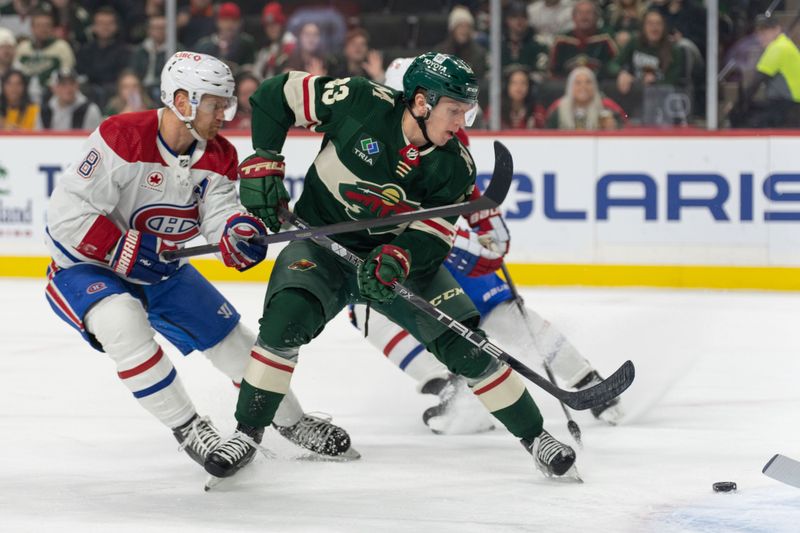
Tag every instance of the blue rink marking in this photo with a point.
(761, 510)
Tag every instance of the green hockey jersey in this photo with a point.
(366, 167)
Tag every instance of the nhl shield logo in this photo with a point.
(302, 265)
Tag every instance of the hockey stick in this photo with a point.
(783, 469)
(492, 197)
(572, 426)
(599, 394)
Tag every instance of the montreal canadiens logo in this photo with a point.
(95, 287)
(172, 222)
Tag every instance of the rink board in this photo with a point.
(695, 210)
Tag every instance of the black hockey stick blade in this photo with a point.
(603, 392)
(502, 175)
(492, 197)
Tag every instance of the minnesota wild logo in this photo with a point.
(370, 200)
(302, 265)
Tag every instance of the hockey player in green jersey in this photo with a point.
(383, 152)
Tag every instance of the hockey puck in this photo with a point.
(724, 486)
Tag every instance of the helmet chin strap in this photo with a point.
(190, 127)
(422, 126)
(188, 123)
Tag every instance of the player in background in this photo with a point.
(383, 152)
(477, 254)
(147, 182)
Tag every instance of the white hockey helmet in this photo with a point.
(197, 74)
(395, 72)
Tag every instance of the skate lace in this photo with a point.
(549, 448)
(313, 431)
(201, 436)
(235, 447)
(238, 445)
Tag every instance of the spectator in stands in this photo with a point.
(246, 85)
(195, 22)
(148, 58)
(583, 107)
(102, 60)
(778, 68)
(8, 48)
(684, 18)
(69, 108)
(280, 42)
(130, 96)
(133, 30)
(461, 40)
(518, 110)
(308, 55)
(72, 22)
(622, 19)
(651, 58)
(519, 45)
(356, 58)
(230, 44)
(17, 111)
(44, 53)
(550, 18)
(584, 46)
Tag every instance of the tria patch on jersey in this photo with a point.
(154, 181)
(302, 265)
(370, 200)
(367, 149)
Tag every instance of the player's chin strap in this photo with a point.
(421, 124)
(190, 127)
(188, 123)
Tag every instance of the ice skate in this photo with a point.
(321, 436)
(552, 458)
(458, 412)
(610, 412)
(197, 438)
(234, 453)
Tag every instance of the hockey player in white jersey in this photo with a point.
(477, 253)
(145, 183)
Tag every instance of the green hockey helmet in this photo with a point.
(442, 75)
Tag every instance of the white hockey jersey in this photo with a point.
(128, 178)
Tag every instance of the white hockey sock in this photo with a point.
(504, 325)
(120, 324)
(403, 350)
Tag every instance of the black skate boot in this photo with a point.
(197, 438)
(234, 452)
(610, 412)
(552, 458)
(458, 411)
(321, 436)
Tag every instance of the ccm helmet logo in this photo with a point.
(172, 222)
(188, 55)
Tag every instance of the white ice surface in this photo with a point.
(716, 395)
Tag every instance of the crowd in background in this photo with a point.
(566, 64)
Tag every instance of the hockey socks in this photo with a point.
(505, 396)
(265, 383)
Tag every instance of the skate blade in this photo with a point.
(350, 455)
(211, 482)
(570, 476)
